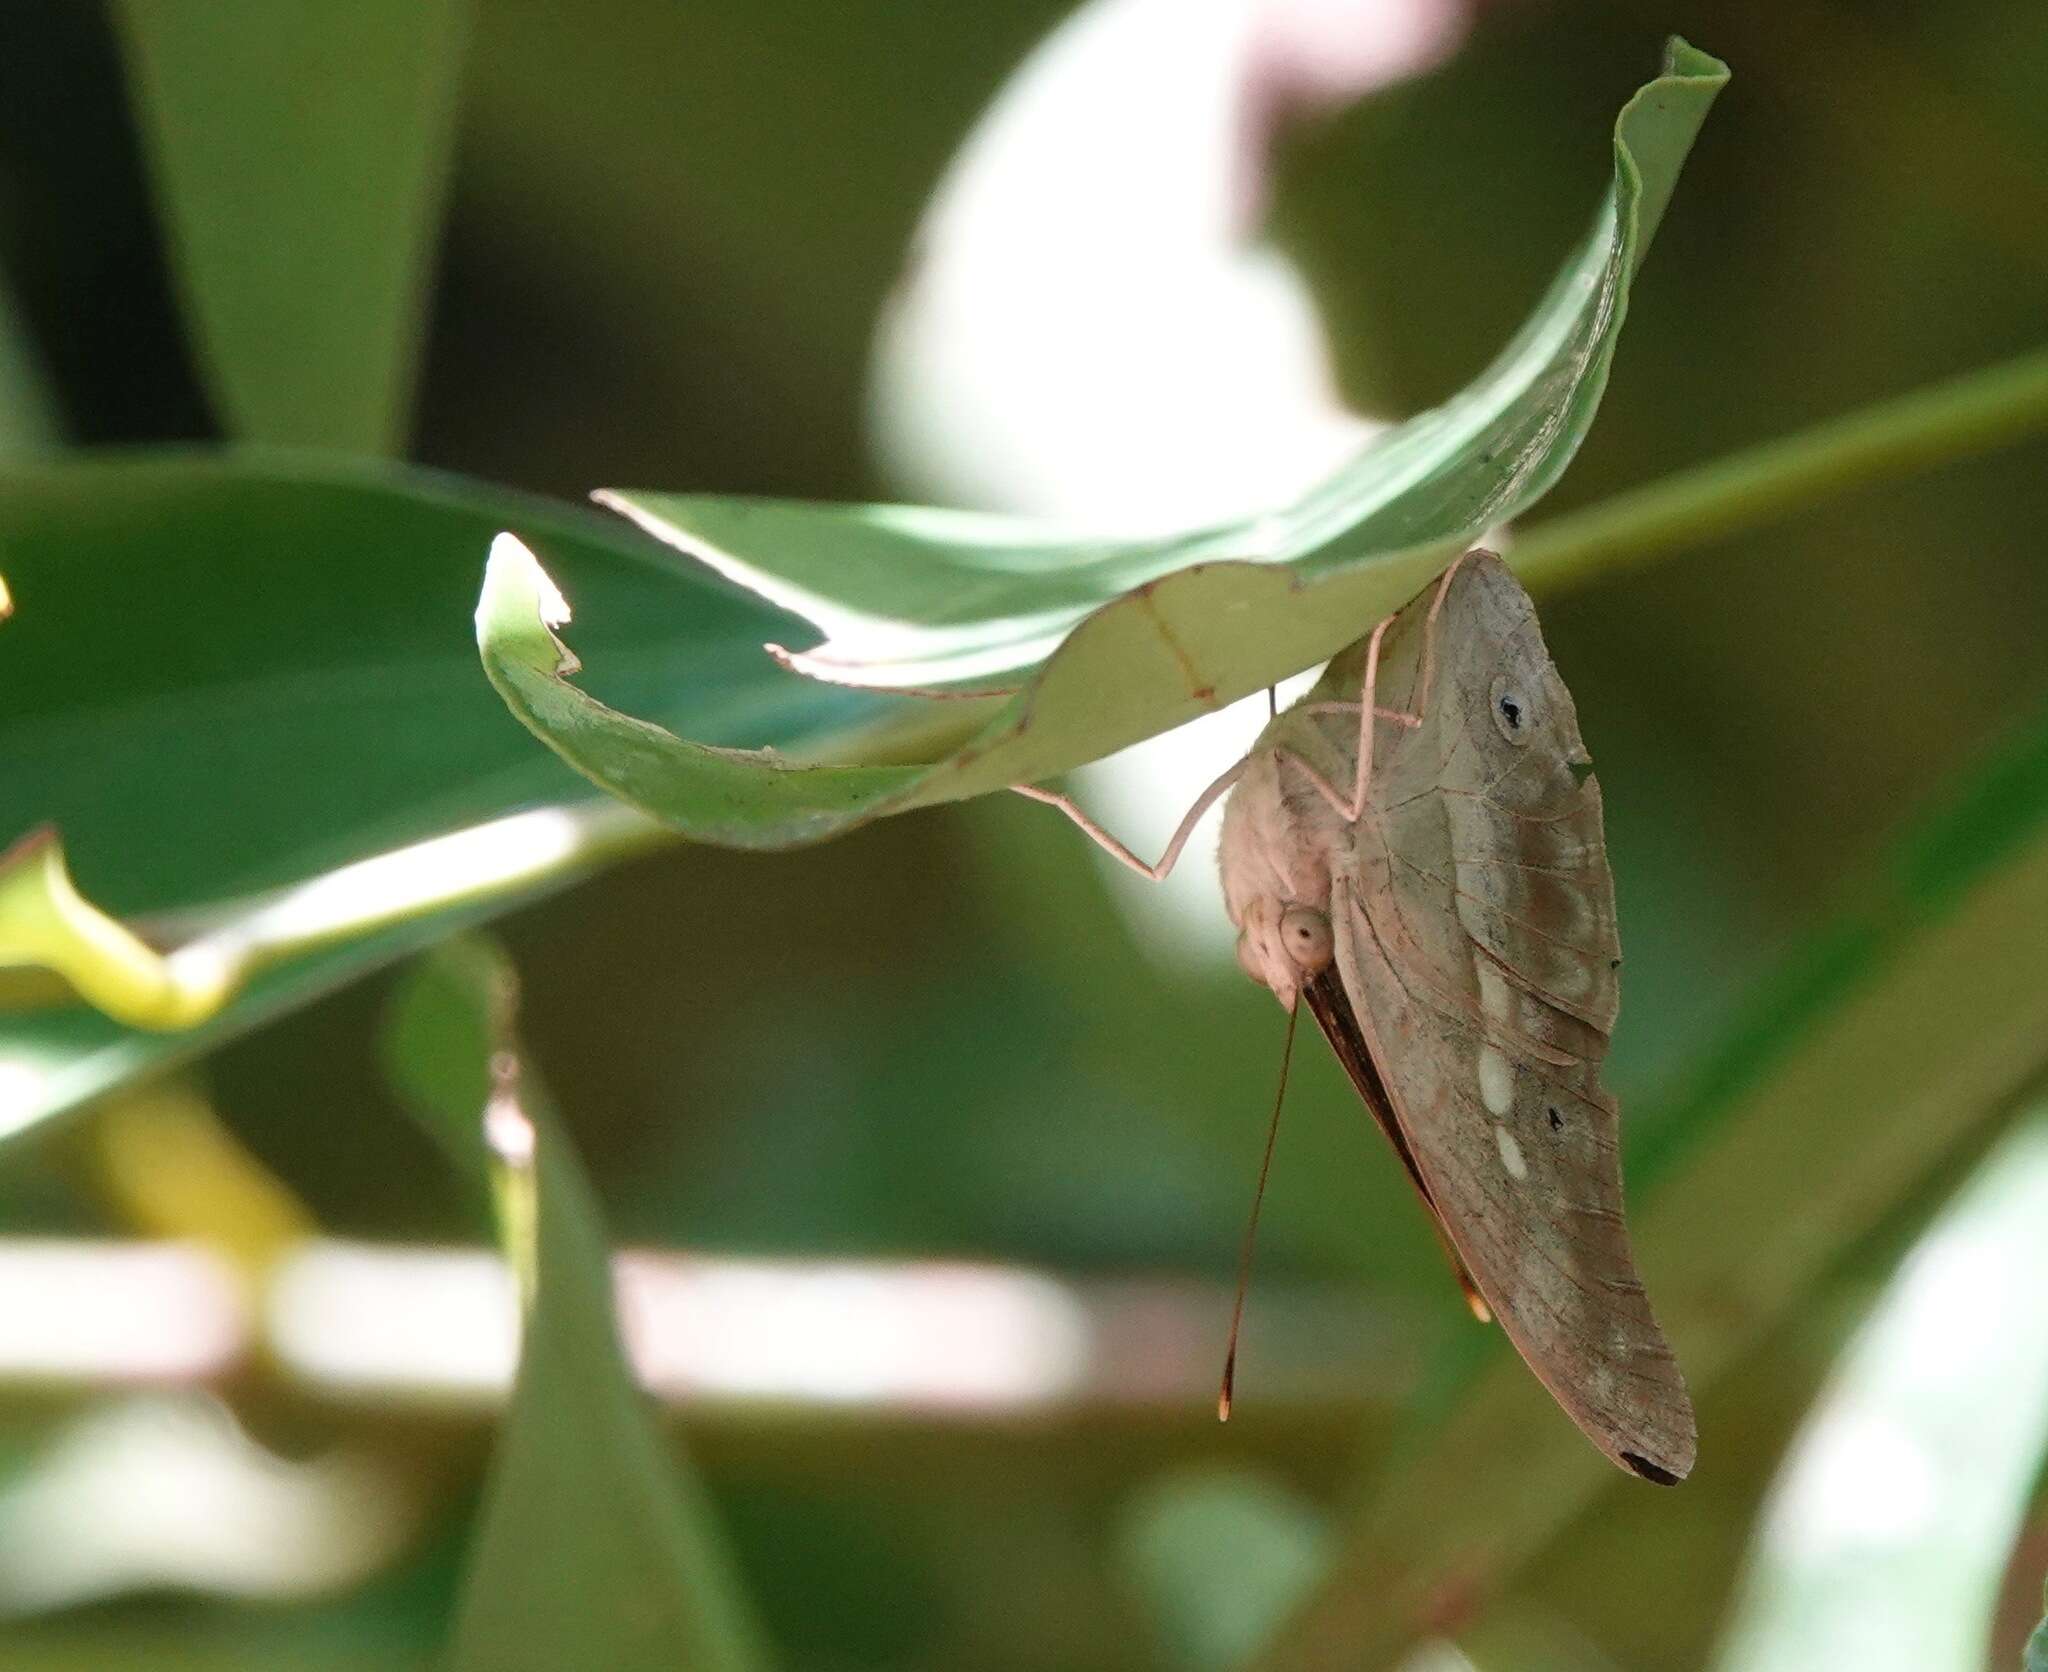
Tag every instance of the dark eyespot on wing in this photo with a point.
(1650, 1471)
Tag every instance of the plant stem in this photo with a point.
(1969, 414)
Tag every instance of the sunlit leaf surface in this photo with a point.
(1140, 636)
(48, 930)
(229, 679)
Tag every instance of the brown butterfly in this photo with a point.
(1415, 849)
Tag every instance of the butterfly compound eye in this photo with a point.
(1305, 933)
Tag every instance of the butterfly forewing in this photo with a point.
(1331, 1007)
(1474, 926)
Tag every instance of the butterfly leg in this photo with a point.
(1436, 604)
(1115, 849)
(1399, 717)
(1352, 807)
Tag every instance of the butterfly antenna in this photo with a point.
(1251, 1229)
(1272, 702)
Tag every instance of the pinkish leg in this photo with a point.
(1393, 714)
(1436, 605)
(1115, 849)
(1352, 808)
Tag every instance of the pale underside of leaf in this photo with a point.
(1127, 638)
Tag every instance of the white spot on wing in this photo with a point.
(1510, 1153)
(1496, 1081)
(1494, 998)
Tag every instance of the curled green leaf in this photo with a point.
(1128, 638)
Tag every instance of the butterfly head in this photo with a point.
(1276, 853)
(1283, 945)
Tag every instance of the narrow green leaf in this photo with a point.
(917, 597)
(597, 1545)
(54, 1062)
(28, 419)
(1140, 635)
(265, 660)
(1972, 412)
(1895, 1042)
(301, 151)
(48, 929)
(1887, 1535)
(712, 794)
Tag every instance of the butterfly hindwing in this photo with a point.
(1474, 929)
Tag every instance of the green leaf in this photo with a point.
(47, 927)
(57, 1061)
(301, 152)
(1219, 1555)
(712, 794)
(1941, 1405)
(1140, 635)
(919, 597)
(28, 420)
(264, 659)
(267, 655)
(1901, 1036)
(597, 1546)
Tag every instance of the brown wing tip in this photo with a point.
(1655, 1473)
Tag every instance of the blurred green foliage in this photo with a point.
(668, 233)
(594, 1543)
